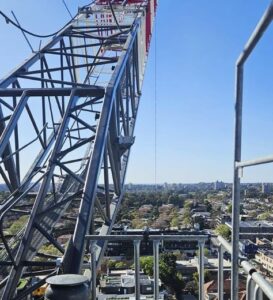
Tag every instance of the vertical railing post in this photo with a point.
(156, 269)
(258, 293)
(137, 268)
(236, 183)
(249, 290)
(93, 270)
(220, 272)
(201, 270)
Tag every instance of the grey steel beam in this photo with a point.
(48, 209)
(92, 176)
(106, 183)
(89, 194)
(13, 179)
(28, 235)
(95, 91)
(49, 237)
(114, 206)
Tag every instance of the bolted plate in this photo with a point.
(67, 279)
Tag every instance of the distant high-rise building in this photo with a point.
(218, 185)
(166, 186)
(266, 188)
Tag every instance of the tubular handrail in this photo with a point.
(256, 35)
(252, 42)
(250, 270)
(200, 238)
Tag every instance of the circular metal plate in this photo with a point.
(67, 279)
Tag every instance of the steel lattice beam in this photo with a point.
(79, 97)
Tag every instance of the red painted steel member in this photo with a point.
(150, 12)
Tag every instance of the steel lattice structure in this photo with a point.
(67, 122)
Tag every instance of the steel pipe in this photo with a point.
(266, 286)
(196, 238)
(236, 184)
(225, 244)
(254, 162)
(93, 270)
(220, 273)
(256, 35)
(137, 268)
(201, 271)
(156, 269)
(258, 293)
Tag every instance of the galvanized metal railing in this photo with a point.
(257, 286)
(156, 239)
(239, 165)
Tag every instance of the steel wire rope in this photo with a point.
(155, 109)
(9, 20)
(114, 16)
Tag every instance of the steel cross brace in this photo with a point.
(80, 96)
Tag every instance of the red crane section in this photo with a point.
(151, 6)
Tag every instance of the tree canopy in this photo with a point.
(167, 271)
(223, 230)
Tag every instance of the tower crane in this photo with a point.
(67, 118)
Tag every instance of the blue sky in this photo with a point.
(197, 44)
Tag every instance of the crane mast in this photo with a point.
(67, 118)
